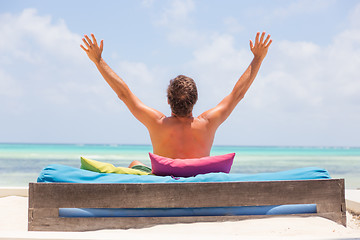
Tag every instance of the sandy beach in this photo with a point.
(13, 225)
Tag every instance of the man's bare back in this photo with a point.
(180, 136)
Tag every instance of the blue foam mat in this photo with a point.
(185, 212)
(66, 174)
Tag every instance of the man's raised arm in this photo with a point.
(221, 112)
(148, 116)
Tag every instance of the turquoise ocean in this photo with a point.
(21, 163)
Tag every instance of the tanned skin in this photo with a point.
(180, 137)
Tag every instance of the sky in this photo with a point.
(306, 93)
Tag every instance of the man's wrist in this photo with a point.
(259, 58)
(98, 61)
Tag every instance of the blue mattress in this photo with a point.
(66, 174)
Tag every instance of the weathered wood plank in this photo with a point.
(44, 212)
(184, 194)
(341, 184)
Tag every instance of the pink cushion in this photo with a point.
(163, 166)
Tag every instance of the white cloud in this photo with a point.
(24, 34)
(148, 84)
(354, 17)
(49, 89)
(301, 7)
(44, 68)
(176, 18)
(185, 36)
(45, 73)
(177, 13)
(136, 72)
(232, 25)
(11, 90)
(8, 86)
(311, 78)
(298, 50)
(221, 51)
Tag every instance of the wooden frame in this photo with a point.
(45, 199)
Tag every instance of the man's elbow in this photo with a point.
(122, 95)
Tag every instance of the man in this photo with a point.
(181, 135)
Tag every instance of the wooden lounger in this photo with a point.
(45, 199)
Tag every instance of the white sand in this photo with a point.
(13, 225)
(353, 200)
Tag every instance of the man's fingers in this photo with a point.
(251, 44)
(257, 38)
(86, 43)
(94, 39)
(88, 39)
(267, 39)
(262, 37)
(83, 48)
(101, 45)
(267, 45)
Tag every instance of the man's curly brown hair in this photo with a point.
(182, 95)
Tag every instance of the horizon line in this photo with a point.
(215, 145)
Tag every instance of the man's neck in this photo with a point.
(181, 117)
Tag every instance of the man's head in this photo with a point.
(182, 95)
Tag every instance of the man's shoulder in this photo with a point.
(202, 118)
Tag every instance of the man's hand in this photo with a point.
(93, 50)
(261, 46)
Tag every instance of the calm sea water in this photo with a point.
(21, 163)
